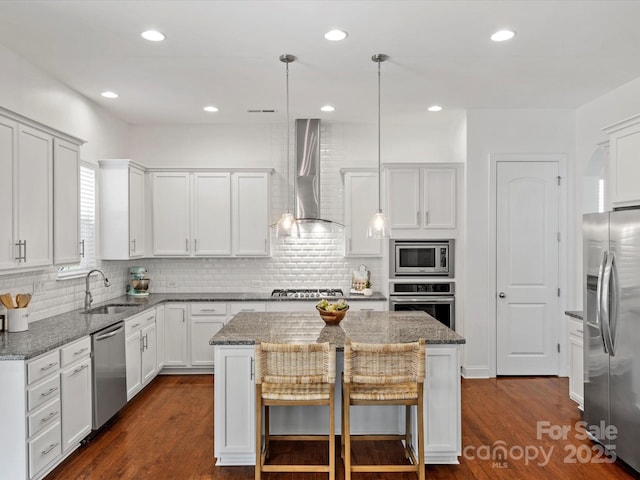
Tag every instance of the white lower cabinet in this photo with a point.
(206, 320)
(234, 405)
(140, 351)
(576, 359)
(46, 409)
(175, 335)
(160, 337)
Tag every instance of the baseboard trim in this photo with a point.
(475, 372)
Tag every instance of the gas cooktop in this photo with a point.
(307, 292)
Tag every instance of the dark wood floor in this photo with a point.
(166, 433)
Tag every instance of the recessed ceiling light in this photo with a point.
(503, 35)
(109, 94)
(153, 36)
(335, 35)
(327, 108)
(434, 108)
(210, 108)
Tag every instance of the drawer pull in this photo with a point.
(135, 326)
(248, 310)
(152, 317)
(49, 367)
(49, 392)
(81, 351)
(366, 309)
(579, 331)
(49, 417)
(209, 310)
(79, 369)
(51, 447)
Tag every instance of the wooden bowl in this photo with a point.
(332, 318)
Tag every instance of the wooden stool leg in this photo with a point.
(407, 431)
(266, 431)
(421, 473)
(332, 434)
(258, 475)
(346, 432)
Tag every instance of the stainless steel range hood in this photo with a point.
(307, 173)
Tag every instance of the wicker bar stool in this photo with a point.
(294, 374)
(384, 374)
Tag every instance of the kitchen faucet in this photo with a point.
(88, 298)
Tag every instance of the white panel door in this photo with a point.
(136, 212)
(527, 268)
(149, 351)
(133, 347)
(75, 384)
(66, 202)
(361, 203)
(175, 335)
(171, 220)
(212, 214)
(403, 198)
(8, 143)
(250, 213)
(202, 329)
(439, 197)
(35, 198)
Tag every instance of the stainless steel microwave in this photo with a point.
(419, 258)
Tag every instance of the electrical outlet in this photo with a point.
(171, 284)
(255, 283)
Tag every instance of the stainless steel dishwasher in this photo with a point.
(109, 373)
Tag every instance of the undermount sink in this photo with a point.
(111, 308)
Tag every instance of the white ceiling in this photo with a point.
(225, 53)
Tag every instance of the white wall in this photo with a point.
(616, 105)
(32, 93)
(27, 90)
(490, 132)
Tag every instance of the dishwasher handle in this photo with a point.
(109, 334)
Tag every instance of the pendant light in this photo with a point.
(285, 225)
(378, 227)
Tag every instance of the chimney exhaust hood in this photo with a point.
(307, 174)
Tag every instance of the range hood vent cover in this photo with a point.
(307, 173)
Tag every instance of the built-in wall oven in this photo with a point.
(419, 258)
(435, 298)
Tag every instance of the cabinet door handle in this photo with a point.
(146, 342)
(251, 370)
(49, 392)
(22, 257)
(248, 310)
(365, 310)
(48, 367)
(150, 318)
(51, 447)
(418, 217)
(209, 310)
(350, 245)
(81, 248)
(133, 243)
(186, 244)
(25, 251)
(49, 417)
(579, 331)
(82, 350)
(265, 244)
(135, 326)
(426, 218)
(79, 369)
(142, 344)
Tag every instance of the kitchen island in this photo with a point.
(234, 403)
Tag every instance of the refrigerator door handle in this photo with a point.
(599, 305)
(606, 306)
(615, 295)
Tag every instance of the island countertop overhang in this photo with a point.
(248, 328)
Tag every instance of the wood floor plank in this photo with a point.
(166, 432)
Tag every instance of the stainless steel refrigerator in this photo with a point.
(612, 330)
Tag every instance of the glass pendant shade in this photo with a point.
(285, 224)
(378, 226)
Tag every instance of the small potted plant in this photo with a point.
(367, 292)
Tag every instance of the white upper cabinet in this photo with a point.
(27, 194)
(624, 163)
(171, 213)
(122, 210)
(66, 202)
(35, 197)
(210, 213)
(422, 200)
(360, 204)
(8, 144)
(250, 213)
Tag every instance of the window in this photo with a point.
(88, 229)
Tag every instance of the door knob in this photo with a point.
(501, 295)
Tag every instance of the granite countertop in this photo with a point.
(49, 333)
(371, 327)
(575, 314)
